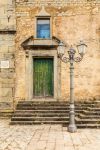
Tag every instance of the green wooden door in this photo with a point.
(43, 77)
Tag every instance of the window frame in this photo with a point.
(44, 17)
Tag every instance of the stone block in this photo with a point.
(9, 2)
(1, 55)
(12, 64)
(11, 49)
(7, 80)
(7, 85)
(3, 48)
(5, 92)
(4, 2)
(1, 11)
(8, 56)
(3, 23)
(6, 105)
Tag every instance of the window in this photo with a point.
(43, 28)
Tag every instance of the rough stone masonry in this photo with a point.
(72, 21)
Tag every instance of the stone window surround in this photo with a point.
(29, 72)
(42, 17)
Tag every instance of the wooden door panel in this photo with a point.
(43, 77)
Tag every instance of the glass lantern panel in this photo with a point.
(61, 49)
(81, 48)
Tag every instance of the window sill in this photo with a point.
(43, 39)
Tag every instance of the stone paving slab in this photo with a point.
(46, 137)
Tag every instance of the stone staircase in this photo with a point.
(32, 112)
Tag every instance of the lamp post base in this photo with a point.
(72, 128)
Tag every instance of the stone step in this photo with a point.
(39, 118)
(91, 112)
(94, 109)
(21, 123)
(52, 106)
(41, 108)
(29, 112)
(42, 104)
(90, 102)
(79, 102)
(40, 114)
(64, 124)
(88, 125)
(86, 121)
(37, 122)
(6, 113)
(48, 114)
(88, 116)
(46, 111)
(57, 103)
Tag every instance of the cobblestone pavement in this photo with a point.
(46, 137)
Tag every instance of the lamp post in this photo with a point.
(71, 59)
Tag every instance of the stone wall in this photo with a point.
(7, 53)
(72, 21)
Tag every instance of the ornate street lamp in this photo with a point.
(71, 59)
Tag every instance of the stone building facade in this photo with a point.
(21, 49)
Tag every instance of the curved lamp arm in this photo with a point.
(64, 59)
(67, 59)
(78, 59)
